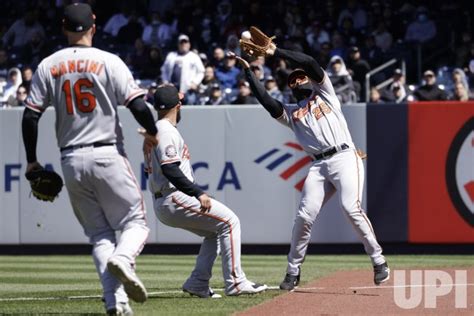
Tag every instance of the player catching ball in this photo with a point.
(180, 202)
(85, 85)
(321, 129)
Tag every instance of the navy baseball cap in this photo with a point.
(298, 72)
(166, 97)
(78, 17)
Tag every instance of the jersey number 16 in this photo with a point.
(85, 101)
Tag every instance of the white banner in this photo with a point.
(241, 156)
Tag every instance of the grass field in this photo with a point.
(69, 284)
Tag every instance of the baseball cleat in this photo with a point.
(131, 283)
(248, 287)
(121, 309)
(203, 293)
(381, 273)
(290, 282)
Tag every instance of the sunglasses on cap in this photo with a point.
(298, 80)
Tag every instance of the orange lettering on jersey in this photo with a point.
(79, 67)
(71, 64)
(186, 154)
(100, 69)
(321, 109)
(62, 69)
(93, 66)
(300, 113)
(54, 71)
(86, 67)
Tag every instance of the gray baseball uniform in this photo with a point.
(85, 85)
(176, 209)
(319, 125)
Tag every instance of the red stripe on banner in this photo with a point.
(294, 168)
(294, 146)
(299, 186)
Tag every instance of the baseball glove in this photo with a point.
(257, 44)
(45, 184)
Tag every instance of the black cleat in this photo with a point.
(381, 273)
(290, 282)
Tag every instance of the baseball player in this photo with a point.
(321, 129)
(179, 202)
(85, 85)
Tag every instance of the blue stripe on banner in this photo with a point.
(265, 156)
(279, 161)
(387, 170)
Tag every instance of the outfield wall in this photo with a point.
(248, 161)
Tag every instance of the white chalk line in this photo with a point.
(272, 288)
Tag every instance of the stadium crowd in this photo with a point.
(185, 43)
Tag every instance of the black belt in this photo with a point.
(158, 195)
(96, 144)
(331, 151)
(163, 193)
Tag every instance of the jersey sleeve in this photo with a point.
(126, 89)
(167, 149)
(326, 90)
(285, 117)
(38, 99)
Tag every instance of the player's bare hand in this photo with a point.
(32, 166)
(205, 202)
(242, 61)
(149, 142)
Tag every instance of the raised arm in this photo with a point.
(273, 106)
(306, 62)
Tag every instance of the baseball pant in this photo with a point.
(342, 173)
(106, 198)
(219, 224)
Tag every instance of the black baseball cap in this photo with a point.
(78, 17)
(296, 73)
(166, 97)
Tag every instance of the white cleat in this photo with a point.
(248, 288)
(121, 309)
(131, 283)
(202, 293)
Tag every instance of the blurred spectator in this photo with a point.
(153, 67)
(233, 45)
(204, 59)
(13, 82)
(348, 31)
(35, 50)
(371, 52)
(460, 93)
(245, 94)
(261, 62)
(228, 74)
(457, 76)
(375, 96)
(272, 89)
(356, 13)
(19, 98)
(399, 93)
(215, 95)
(358, 68)
(430, 90)
(150, 95)
(383, 38)
(324, 54)
(160, 31)
(204, 89)
(422, 29)
(138, 59)
(341, 80)
(26, 76)
(21, 32)
(218, 57)
(183, 68)
(117, 21)
(338, 45)
(4, 64)
(316, 36)
(398, 79)
(128, 33)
